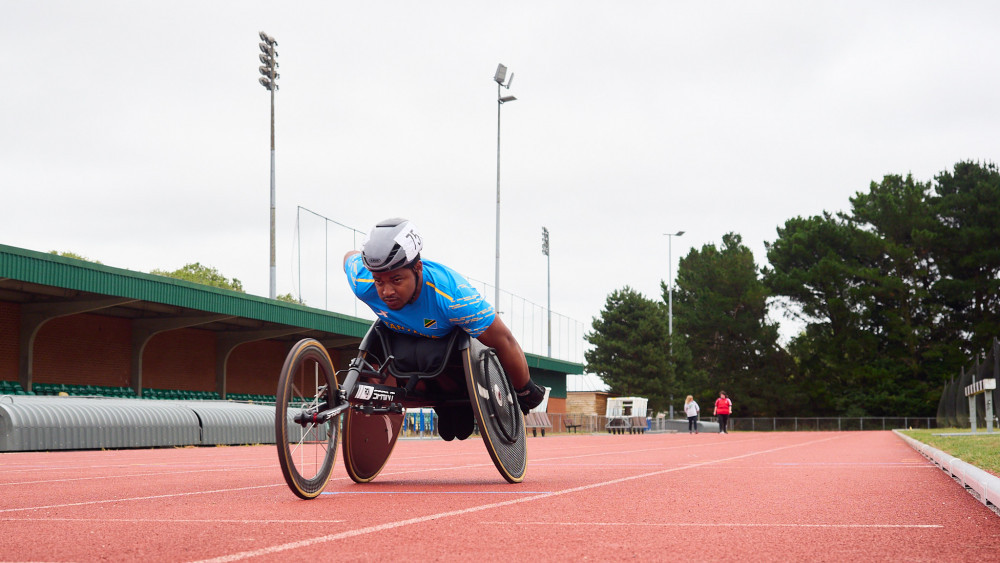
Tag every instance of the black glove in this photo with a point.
(530, 396)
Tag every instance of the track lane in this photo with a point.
(817, 496)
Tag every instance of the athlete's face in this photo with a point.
(396, 287)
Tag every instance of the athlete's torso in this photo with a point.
(446, 300)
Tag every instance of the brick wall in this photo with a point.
(83, 350)
(91, 349)
(180, 359)
(556, 406)
(254, 367)
(10, 321)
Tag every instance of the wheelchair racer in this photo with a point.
(416, 296)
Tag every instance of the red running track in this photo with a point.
(807, 496)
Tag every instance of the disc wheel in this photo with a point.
(368, 442)
(306, 451)
(497, 412)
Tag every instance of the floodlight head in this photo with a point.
(506, 99)
(501, 74)
(509, 82)
(263, 36)
(679, 233)
(264, 82)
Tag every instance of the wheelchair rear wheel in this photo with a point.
(497, 412)
(306, 449)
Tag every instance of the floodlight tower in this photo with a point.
(269, 81)
(499, 78)
(670, 286)
(548, 283)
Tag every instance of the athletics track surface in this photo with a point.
(807, 496)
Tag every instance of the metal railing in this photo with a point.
(799, 424)
(591, 424)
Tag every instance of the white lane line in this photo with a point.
(429, 517)
(131, 475)
(715, 525)
(434, 492)
(151, 497)
(33, 468)
(384, 474)
(175, 520)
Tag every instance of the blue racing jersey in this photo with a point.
(446, 300)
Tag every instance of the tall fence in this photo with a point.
(423, 424)
(953, 408)
(319, 282)
(828, 424)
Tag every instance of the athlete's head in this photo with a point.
(392, 254)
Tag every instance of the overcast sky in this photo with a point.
(136, 134)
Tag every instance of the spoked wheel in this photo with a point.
(306, 449)
(497, 412)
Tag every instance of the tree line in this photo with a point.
(894, 295)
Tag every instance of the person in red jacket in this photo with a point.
(723, 408)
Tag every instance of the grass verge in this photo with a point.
(982, 450)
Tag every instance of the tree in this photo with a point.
(630, 348)
(73, 255)
(822, 265)
(721, 311)
(289, 298)
(965, 243)
(914, 354)
(204, 275)
(869, 286)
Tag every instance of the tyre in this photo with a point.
(495, 407)
(306, 450)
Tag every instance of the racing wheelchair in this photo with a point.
(367, 401)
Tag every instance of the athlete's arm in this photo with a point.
(509, 352)
(349, 254)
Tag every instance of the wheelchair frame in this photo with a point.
(308, 417)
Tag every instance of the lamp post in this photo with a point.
(499, 78)
(670, 286)
(548, 282)
(269, 81)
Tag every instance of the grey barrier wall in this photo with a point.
(980, 484)
(32, 423)
(234, 423)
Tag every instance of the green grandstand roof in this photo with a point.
(69, 273)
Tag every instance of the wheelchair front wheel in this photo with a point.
(306, 449)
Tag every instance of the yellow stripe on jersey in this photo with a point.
(441, 293)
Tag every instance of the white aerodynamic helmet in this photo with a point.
(392, 244)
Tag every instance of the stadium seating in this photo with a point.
(14, 388)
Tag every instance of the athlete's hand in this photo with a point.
(530, 396)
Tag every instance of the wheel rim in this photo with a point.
(306, 452)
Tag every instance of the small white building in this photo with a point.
(626, 414)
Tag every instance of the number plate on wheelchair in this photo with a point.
(372, 393)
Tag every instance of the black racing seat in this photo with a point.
(418, 356)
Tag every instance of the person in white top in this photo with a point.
(691, 410)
